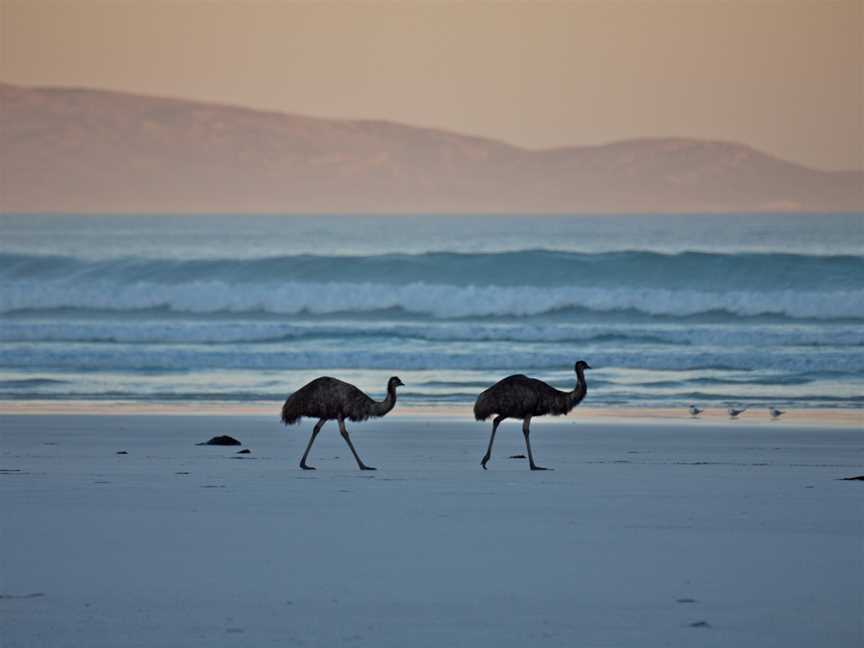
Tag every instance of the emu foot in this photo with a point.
(365, 467)
(540, 468)
(484, 461)
(305, 467)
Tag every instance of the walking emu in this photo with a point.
(521, 397)
(327, 399)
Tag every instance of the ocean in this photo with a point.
(718, 310)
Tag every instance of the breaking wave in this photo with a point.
(166, 358)
(203, 331)
(445, 285)
(435, 300)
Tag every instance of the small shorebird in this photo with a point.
(775, 413)
(695, 411)
(733, 413)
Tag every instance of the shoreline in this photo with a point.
(842, 417)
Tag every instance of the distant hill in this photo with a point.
(71, 150)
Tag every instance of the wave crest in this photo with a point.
(435, 300)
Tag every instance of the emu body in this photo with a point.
(521, 397)
(330, 399)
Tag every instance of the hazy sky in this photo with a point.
(786, 76)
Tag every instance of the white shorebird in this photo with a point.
(695, 411)
(775, 413)
(733, 413)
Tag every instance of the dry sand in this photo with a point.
(664, 533)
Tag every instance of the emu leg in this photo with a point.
(527, 432)
(488, 454)
(344, 431)
(315, 432)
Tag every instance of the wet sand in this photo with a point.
(649, 532)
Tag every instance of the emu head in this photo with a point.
(582, 366)
(393, 383)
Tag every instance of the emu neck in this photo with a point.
(382, 407)
(575, 397)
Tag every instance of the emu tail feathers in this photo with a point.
(291, 411)
(483, 407)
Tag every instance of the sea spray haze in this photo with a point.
(724, 309)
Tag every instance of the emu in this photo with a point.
(521, 397)
(328, 398)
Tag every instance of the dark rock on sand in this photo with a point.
(223, 440)
(122, 452)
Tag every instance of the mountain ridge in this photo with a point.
(80, 150)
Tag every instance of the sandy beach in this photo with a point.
(648, 533)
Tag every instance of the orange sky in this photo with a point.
(786, 76)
